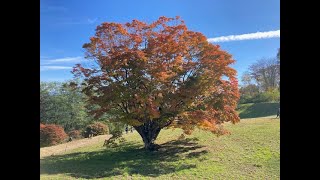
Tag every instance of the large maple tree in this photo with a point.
(158, 75)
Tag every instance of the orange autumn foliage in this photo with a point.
(161, 73)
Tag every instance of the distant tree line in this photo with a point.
(261, 82)
(63, 105)
(64, 112)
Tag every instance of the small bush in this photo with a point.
(41, 130)
(246, 99)
(96, 129)
(51, 134)
(42, 126)
(272, 95)
(268, 96)
(115, 140)
(262, 97)
(75, 134)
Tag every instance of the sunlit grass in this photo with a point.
(252, 151)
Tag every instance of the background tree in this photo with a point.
(63, 105)
(278, 62)
(246, 78)
(157, 75)
(262, 82)
(47, 103)
(266, 73)
(250, 90)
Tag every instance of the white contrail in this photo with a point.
(63, 60)
(47, 68)
(257, 35)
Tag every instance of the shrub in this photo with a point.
(41, 130)
(115, 140)
(246, 99)
(42, 126)
(96, 129)
(268, 96)
(51, 134)
(273, 95)
(262, 97)
(116, 127)
(76, 134)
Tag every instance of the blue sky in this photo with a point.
(66, 25)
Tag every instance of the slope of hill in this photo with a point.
(253, 110)
(252, 151)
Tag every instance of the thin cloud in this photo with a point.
(44, 57)
(91, 21)
(68, 21)
(257, 35)
(53, 9)
(72, 22)
(63, 60)
(48, 68)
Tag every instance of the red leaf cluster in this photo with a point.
(76, 134)
(97, 128)
(51, 134)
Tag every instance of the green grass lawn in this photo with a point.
(252, 151)
(253, 110)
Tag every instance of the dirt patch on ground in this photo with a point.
(62, 148)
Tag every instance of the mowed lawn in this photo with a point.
(254, 110)
(252, 151)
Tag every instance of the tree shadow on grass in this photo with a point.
(128, 159)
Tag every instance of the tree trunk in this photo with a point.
(149, 132)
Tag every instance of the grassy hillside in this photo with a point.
(253, 110)
(252, 151)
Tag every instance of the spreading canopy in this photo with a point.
(161, 73)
